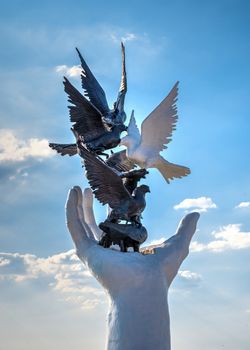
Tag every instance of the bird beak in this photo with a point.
(124, 128)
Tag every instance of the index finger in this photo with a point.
(77, 230)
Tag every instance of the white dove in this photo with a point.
(156, 131)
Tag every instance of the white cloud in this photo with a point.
(4, 262)
(62, 272)
(228, 237)
(128, 37)
(243, 205)
(14, 149)
(73, 71)
(201, 204)
(124, 38)
(189, 275)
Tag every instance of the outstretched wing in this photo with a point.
(133, 130)
(120, 161)
(123, 86)
(86, 118)
(70, 148)
(92, 89)
(106, 184)
(157, 128)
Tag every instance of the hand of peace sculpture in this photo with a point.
(137, 284)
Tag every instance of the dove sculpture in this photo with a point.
(108, 188)
(96, 94)
(144, 148)
(98, 125)
(88, 125)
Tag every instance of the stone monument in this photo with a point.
(136, 281)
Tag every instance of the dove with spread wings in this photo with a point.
(96, 95)
(98, 126)
(144, 148)
(108, 188)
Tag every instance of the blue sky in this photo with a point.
(47, 299)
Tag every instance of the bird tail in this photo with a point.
(170, 171)
(63, 149)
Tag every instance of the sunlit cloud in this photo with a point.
(63, 273)
(185, 281)
(74, 71)
(124, 38)
(228, 237)
(243, 205)
(201, 204)
(17, 150)
(189, 275)
(129, 37)
(4, 262)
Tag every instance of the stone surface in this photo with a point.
(137, 284)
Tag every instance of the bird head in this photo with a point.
(117, 115)
(144, 189)
(122, 127)
(143, 173)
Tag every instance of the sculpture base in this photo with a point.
(124, 235)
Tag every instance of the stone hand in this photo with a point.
(137, 284)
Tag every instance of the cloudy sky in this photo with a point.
(48, 299)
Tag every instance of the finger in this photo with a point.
(78, 191)
(188, 225)
(75, 227)
(180, 241)
(174, 250)
(81, 212)
(89, 213)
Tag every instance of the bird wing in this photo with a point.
(63, 149)
(133, 130)
(123, 86)
(87, 119)
(120, 161)
(157, 128)
(92, 89)
(106, 184)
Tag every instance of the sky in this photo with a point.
(48, 299)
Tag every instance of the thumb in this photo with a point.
(188, 224)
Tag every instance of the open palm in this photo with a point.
(137, 284)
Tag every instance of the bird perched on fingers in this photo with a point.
(109, 188)
(144, 148)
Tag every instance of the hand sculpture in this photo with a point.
(137, 284)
